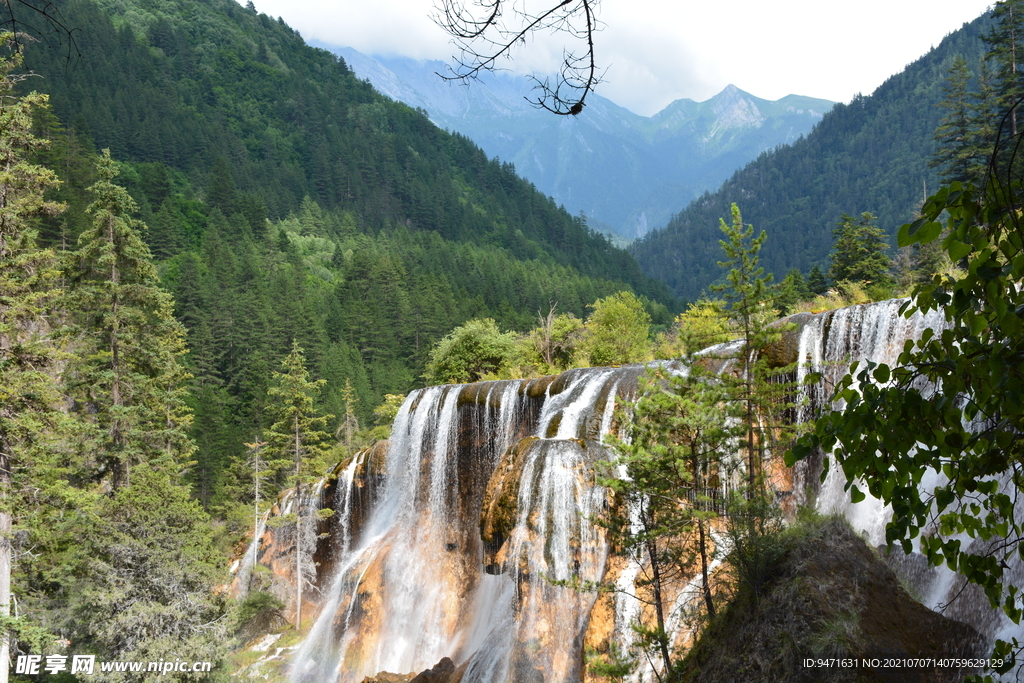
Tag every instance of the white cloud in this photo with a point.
(657, 51)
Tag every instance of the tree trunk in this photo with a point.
(652, 553)
(298, 528)
(708, 601)
(5, 556)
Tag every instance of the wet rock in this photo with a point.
(441, 673)
(385, 677)
(498, 516)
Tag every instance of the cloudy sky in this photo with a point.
(656, 51)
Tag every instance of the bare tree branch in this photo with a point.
(31, 20)
(485, 31)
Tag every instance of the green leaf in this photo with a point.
(929, 232)
(856, 495)
(957, 250)
(812, 378)
(881, 374)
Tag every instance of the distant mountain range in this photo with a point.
(628, 173)
(869, 155)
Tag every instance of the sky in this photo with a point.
(657, 51)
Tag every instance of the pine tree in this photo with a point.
(1006, 49)
(28, 288)
(816, 282)
(983, 124)
(127, 376)
(298, 436)
(861, 251)
(955, 153)
(677, 456)
(747, 293)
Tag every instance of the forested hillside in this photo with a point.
(627, 172)
(288, 201)
(185, 84)
(869, 155)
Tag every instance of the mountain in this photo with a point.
(626, 172)
(288, 202)
(186, 84)
(869, 155)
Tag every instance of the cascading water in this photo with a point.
(413, 587)
(471, 534)
(828, 344)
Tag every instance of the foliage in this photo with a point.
(298, 437)
(793, 289)
(145, 588)
(860, 251)
(617, 331)
(759, 387)
(205, 87)
(703, 324)
(385, 413)
(687, 436)
(469, 353)
(259, 612)
(29, 401)
(1008, 16)
(126, 374)
(952, 405)
(753, 528)
(297, 440)
(960, 152)
(555, 340)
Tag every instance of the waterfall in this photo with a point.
(470, 534)
(410, 585)
(828, 343)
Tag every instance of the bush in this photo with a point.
(260, 612)
(469, 353)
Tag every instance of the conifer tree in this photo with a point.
(860, 251)
(747, 292)
(816, 281)
(955, 153)
(298, 438)
(28, 288)
(1006, 48)
(126, 377)
(983, 122)
(677, 456)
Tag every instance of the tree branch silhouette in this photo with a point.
(31, 20)
(486, 31)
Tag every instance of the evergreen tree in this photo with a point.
(145, 584)
(298, 438)
(860, 253)
(982, 123)
(28, 288)
(127, 377)
(955, 155)
(747, 293)
(817, 284)
(677, 456)
(1006, 49)
(793, 289)
(680, 455)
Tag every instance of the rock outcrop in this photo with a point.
(828, 596)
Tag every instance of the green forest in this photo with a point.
(870, 155)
